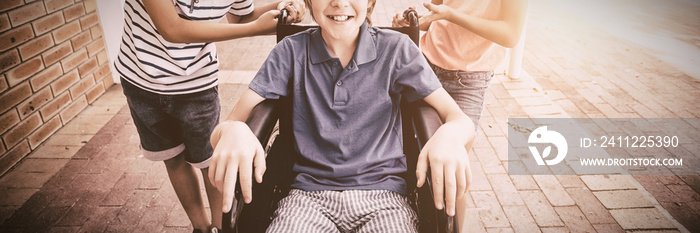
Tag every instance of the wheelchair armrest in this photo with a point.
(262, 119)
(426, 122)
(261, 122)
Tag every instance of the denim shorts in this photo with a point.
(467, 88)
(170, 125)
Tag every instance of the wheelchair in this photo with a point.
(420, 121)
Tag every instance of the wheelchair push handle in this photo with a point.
(282, 20)
(411, 16)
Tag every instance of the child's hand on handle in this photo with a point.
(237, 153)
(399, 20)
(296, 10)
(268, 21)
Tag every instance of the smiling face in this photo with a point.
(340, 19)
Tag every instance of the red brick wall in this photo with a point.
(53, 63)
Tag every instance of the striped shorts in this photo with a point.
(344, 211)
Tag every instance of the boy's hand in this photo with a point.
(236, 152)
(449, 166)
(296, 10)
(437, 12)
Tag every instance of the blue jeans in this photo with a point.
(467, 88)
(170, 125)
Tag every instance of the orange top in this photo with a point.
(452, 47)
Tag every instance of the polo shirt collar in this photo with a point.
(366, 50)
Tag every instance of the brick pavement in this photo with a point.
(600, 75)
(90, 176)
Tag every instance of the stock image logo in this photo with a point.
(543, 136)
(639, 146)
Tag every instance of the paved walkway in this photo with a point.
(91, 176)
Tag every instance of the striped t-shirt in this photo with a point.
(156, 65)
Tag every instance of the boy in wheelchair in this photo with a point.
(346, 80)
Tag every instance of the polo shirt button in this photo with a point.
(339, 83)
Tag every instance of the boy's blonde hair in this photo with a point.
(370, 8)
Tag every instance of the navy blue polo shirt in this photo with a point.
(346, 121)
